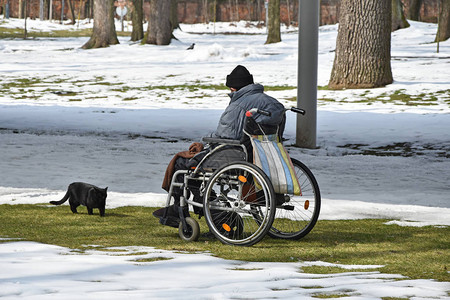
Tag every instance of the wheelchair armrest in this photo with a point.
(213, 140)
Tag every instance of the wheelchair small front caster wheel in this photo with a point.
(192, 233)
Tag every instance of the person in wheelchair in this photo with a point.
(244, 95)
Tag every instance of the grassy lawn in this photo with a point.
(39, 88)
(18, 33)
(415, 252)
(75, 90)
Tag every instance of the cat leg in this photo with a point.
(73, 206)
(90, 212)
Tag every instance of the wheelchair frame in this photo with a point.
(252, 220)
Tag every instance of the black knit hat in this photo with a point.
(239, 78)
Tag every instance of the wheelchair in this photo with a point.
(237, 198)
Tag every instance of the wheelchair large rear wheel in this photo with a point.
(236, 195)
(296, 215)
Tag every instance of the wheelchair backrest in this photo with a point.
(223, 154)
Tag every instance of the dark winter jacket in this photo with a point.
(251, 96)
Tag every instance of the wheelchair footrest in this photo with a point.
(286, 207)
(170, 221)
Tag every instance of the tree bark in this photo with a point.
(444, 21)
(21, 9)
(174, 14)
(398, 16)
(363, 58)
(25, 33)
(274, 34)
(104, 32)
(159, 30)
(137, 16)
(72, 12)
(414, 9)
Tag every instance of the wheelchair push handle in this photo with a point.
(297, 110)
(252, 111)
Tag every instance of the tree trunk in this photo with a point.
(159, 30)
(25, 8)
(46, 8)
(414, 9)
(205, 11)
(72, 12)
(41, 10)
(137, 16)
(363, 58)
(444, 21)
(274, 34)
(174, 14)
(288, 13)
(104, 32)
(398, 16)
(50, 13)
(21, 9)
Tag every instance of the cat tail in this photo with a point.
(64, 199)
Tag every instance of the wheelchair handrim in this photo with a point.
(266, 217)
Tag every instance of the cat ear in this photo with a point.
(106, 188)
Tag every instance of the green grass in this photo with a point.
(398, 97)
(346, 293)
(18, 33)
(14, 33)
(415, 252)
(17, 87)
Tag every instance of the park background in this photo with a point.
(69, 114)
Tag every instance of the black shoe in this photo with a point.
(170, 221)
(172, 218)
(172, 211)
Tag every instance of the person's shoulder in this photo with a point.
(257, 87)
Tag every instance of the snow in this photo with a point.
(51, 272)
(106, 117)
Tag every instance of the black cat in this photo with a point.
(80, 193)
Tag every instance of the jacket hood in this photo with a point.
(249, 89)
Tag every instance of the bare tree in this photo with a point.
(137, 16)
(444, 21)
(414, 9)
(104, 32)
(288, 13)
(363, 58)
(273, 34)
(21, 9)
(174, 14)
(25, 32)
(231, 11)
(205, 11)
(72, 12)
(398, 16)
(159, 30)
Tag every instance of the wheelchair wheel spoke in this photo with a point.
(295, 218)
(231, 216)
